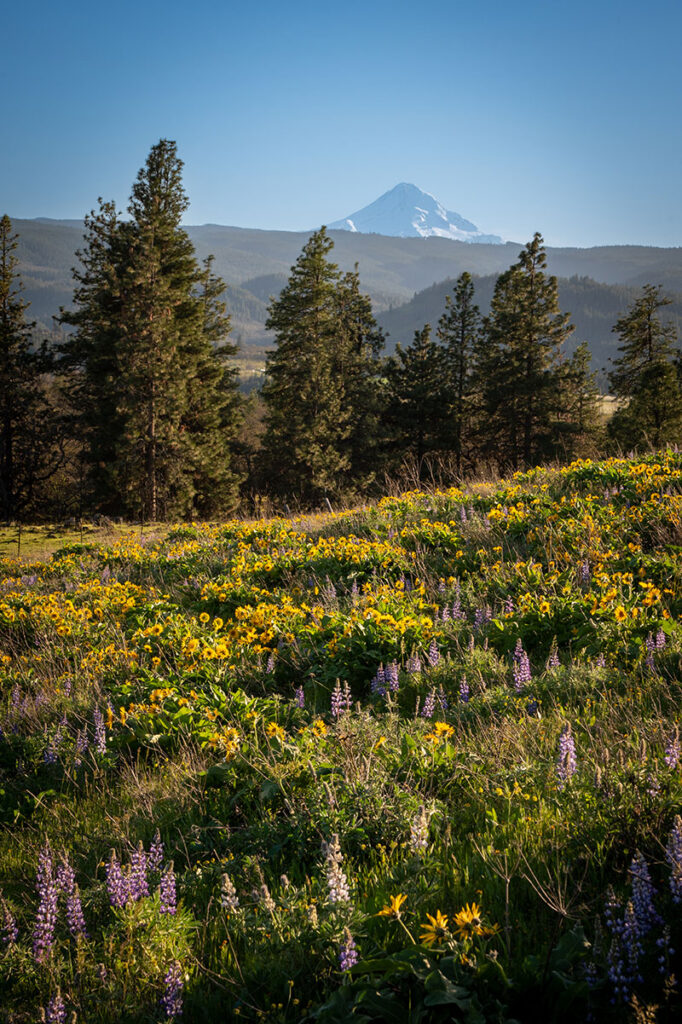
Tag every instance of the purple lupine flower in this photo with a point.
(457, 612)
(464, 692)
(81, 745)
(337, 700)
(270, 664)
(100, 732)
(660, 641)
(337, 883)
(155, 855)
(600, 661)
(672, 751)
(584, 573)
(228, 894)
(46, 918)
(442, 699)
(414, 664)
(9, 932)
(433, 654)
(138, 886)
(348, 954)
(117, 883)
(167, 891)
(673, 855)
(171, 1000)
(419, 831)
(299, 697)
(378, 684)
(67, 686)
(347, 699)
(445, 614)
(429, 705)
(354, 591)
(521, 667)
(566, 763)
(508, 605)
(391, 676)
(66, 880)
(646, 914)
(55, 1011)
(553, 659)
(50, 752)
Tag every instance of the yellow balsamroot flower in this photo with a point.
(204, 617)
(392, 908)
(468, 921)
(436, 931)
(545, 607)
(441, 733)
(273, 729)
(319, 728)
(620, 613)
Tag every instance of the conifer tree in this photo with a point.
(518, 379)
(27, 452)
(147, 378)
(417, 411)
(320, 383)
(581, 421)
(458, 330)
(644, 377)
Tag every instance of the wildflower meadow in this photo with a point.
(414, 761)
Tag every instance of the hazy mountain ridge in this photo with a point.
(594, 309)
(255, 264)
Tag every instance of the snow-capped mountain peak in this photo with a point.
(407, 212)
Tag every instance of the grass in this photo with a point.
(476, 692)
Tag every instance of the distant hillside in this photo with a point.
(594, 309)
(255, 265)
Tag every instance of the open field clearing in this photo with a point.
(414, 762)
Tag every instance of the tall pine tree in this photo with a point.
(320, 388)
(147, 376)
(644, 376)
(518, 380)
(417, 409)
(27, 451)
(458, 330)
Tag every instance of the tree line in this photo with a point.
(137, 412)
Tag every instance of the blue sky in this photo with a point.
(559, 117)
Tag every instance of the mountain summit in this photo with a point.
(407, 212)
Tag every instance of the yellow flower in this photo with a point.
(319, 728)
(204, 617)
(468, 921)
(620, 613)
(392, 909)
(545, 607)
(272, 729)
(435, 932)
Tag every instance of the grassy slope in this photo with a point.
(193, 646)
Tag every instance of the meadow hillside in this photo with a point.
(416, 761)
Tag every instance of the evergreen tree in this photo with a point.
(517, 373)
(27, 450)
(320, 384)
(581, 420)
(644, 376)
(147, 376)
(459, 329)
(417, 410)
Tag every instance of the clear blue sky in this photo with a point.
(563, 117)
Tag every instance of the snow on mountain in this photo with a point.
(407, 212)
